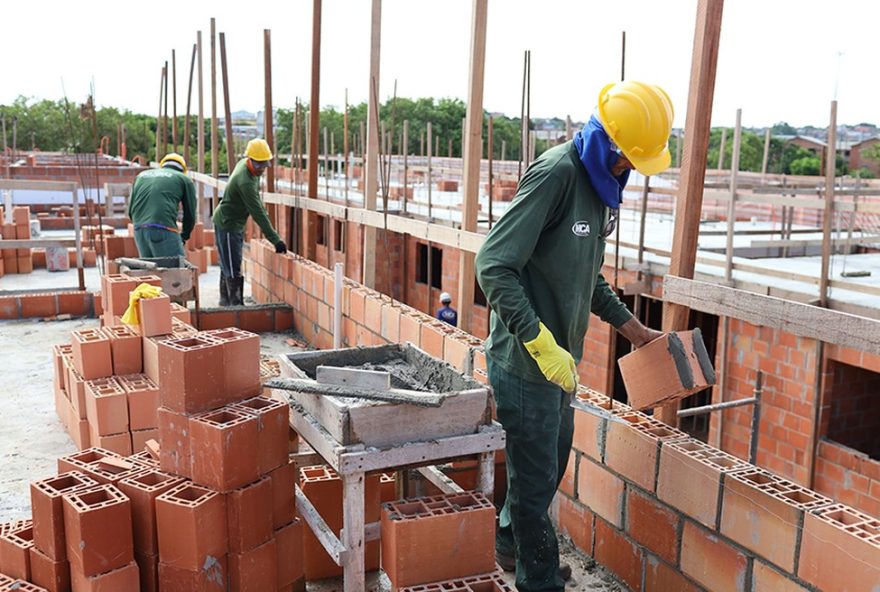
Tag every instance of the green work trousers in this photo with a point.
(156, 242)
(539, 422)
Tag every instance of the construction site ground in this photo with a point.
(34, 437)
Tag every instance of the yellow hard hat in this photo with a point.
(258, 149)
(174, 157)
(638, 119)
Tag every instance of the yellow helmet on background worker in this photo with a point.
(258, 149)
(173, 160)
(638, 119)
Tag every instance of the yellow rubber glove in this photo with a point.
(142, 291)
(555, 363)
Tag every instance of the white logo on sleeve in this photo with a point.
(581, 228)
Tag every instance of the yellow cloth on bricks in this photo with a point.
(131, 316)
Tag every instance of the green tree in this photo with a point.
(807, 165)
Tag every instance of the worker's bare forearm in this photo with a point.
(637, 333)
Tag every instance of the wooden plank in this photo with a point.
(37, 243)
(486, 476)
(472, 155)
(489, 438)
(693, 171)
(320, 529)
(24, 185)
(371, 157)
(763, 244)
(318, 438)
(804, 320)
(355, 377)
(353, 532)
(828, 215)
(440, 480)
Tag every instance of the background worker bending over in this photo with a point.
(156, 198)
(241, 199)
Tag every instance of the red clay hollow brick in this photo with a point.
(254, 570)
(211, 577)
(690, 478)
(143, 401)
(106, 406)
(763, 513)
(460, 528)
(289, 546)
(54, 576)
(711, 562)
(119, 443)
(148, 569)
(601, 491)
(48, 511)
(92, 356)
(104, 466)
(615, 551)
(632, 447)
(840, 550)
(191, 521)
(249, 515)
(15, 546)
(122, 578)
(241, 358)
(189, 375)
(224, 448)
(652, 525)
(273, 420)
(143, 489)
(491, 582)
(175, 455)
(284, 480)
(126, 350)
(155, 316)
(114, 292)
(139, 438)
(97, 529)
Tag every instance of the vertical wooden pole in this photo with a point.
(215, 132)
(422, 144)
(491, 154)
(174, 100)
(159, 118)
(165, 114)
(200, 134)
(689, 200)
(345, 147)
(405, 146)
(503, 150)
(472, 152)
(269, 114)
(314, 129)
(189, 90)
(371, 157)
(569, 133)
(731, 209)
(828, 214)
(679, 144)
(721, 149)
(230, 140)
(766, 158)
(326, 163)
(437, 146)
(428, 181)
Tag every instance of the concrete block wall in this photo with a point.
(662, 510)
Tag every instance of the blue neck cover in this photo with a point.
(594, 149)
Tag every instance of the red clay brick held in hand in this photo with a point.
(191, 521)
(48, 511)
(224, 448)
(97, 529)
(460, 528)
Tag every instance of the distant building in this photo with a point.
(858, 158)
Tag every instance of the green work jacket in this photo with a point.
(157, 196)
(241, 199)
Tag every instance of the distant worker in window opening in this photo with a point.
(540, 268)
(157, 197)
(241, 199)
(446, 313)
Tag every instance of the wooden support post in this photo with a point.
(828, 214)
(503, 150)
(766, 158)
(269, 115)
(200, 135)
(165, 113)
(314, 128)
(326, 163)
(405, 146)
(731, 206)
(215, 132)
(490, 153)
(174, 100)
(678, 148)
(353, 531)
(371, 157)
(189, 90)
(689, 200)
(428, 179)
(472, 153)
(230, 140)
(159, 117)
(345, 147)
(721, 149)
(80, 271)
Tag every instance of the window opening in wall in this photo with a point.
(338, 235)
(479, 297)
(851, 407)
(422, 265)
(321, 230)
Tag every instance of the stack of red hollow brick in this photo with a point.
(16, 260)
(210, 506)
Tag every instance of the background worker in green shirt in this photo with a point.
(156, 198)
(241, 199)
(540, 269)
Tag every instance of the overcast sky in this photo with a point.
(780, 60)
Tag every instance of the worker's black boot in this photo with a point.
(236, 291)
(224, 291)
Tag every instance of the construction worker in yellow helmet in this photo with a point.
(540, 268)
(241, 199)
(157, 197)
